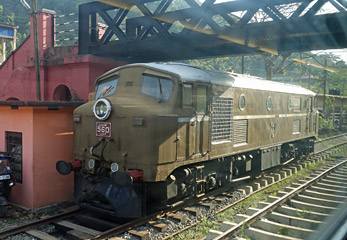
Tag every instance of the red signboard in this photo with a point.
(103, 129)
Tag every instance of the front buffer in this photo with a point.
(116, 195)
(119, 195)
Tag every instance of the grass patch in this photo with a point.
(243, 231)
(303, 214)
(282, 230)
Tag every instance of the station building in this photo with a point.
(39, 133)
(335, 109)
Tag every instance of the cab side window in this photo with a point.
(157, 87)
(201, 99)
(187, 95)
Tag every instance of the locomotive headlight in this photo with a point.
(102, 109)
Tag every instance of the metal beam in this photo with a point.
(152, 33)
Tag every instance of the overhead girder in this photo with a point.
(151, 30)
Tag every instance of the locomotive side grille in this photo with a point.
(296, 104)
(296, 126)
(240, 131)
(222, 120)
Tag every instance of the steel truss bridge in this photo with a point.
(166, 30)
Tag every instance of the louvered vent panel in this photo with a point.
(240, 131)
(296, 104)
(222, 120)
(296, 126)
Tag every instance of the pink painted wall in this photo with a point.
(20, 120)
(58, 66)
(46, 138)
(52, 141)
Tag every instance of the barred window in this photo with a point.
(14, 147)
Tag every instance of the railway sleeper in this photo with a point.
(317, 201)
(142, 235)
(78, 235)
(301, 213)
(333, 184)
(310, 207)
(325, 196)
(275, 227)
(255, 233)
(292, 220)
(40, 235)
(339, 175)
(336, 178)
(329, 189)
(272, 199)
(160, 227)
(69, 226)
(95, 223)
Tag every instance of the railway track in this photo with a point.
(79, 224)
(295, 213)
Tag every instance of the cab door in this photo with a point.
(203, 120)
(194, 121)
(310, 116)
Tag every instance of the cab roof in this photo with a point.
(189, 73)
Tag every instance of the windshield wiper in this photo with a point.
(107, 90)
(161, 92)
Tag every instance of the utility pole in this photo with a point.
(36, 49)
(243, 64)
(325, 86)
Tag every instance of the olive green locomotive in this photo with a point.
(158, 133)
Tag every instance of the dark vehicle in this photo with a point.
(6, 183)
(159, 133)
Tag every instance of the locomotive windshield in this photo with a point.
(106, 87)
(156, 87)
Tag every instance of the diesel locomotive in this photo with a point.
(158, 133)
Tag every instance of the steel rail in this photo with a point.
(174, 207)
(234, 230)
(27, 226)
(332, 137)
(254, 192)
(328, 148)
(125, 227)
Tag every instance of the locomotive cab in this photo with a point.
(116, 137)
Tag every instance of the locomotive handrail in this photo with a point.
(95, 146)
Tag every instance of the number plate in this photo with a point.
(103, 129)
(5, 177)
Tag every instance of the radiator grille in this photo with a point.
(240, 131)
(296, 126)
(222, 120)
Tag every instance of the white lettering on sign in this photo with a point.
(103, 129)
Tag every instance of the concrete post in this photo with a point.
(3, 52)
